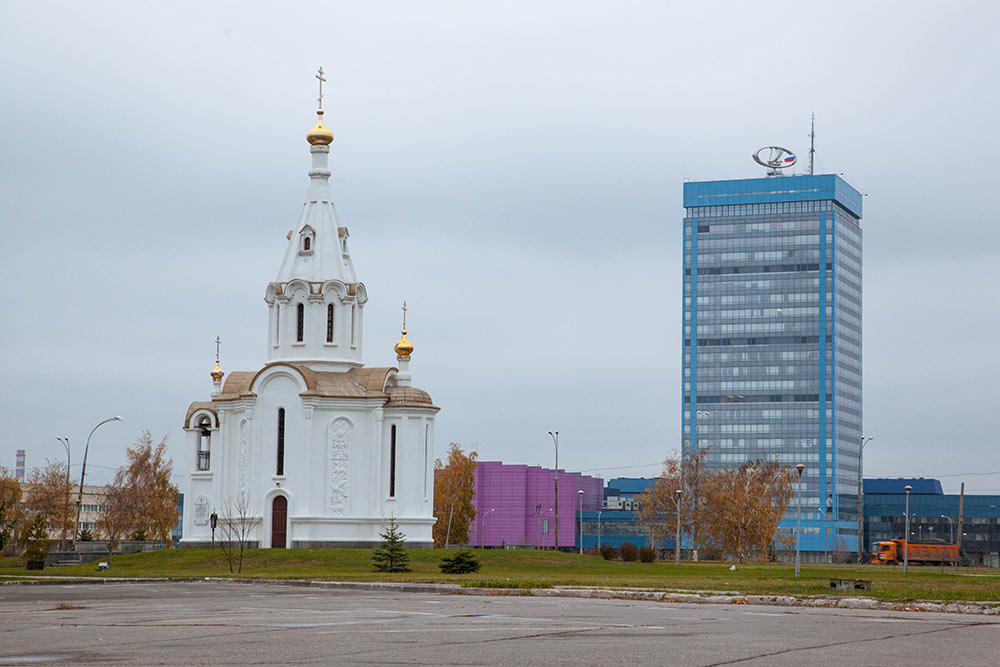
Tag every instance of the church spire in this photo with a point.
(404, 348)
(316, 300)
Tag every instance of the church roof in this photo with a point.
(201, 405)
(356, 383)
(409, 397)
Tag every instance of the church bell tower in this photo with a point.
(316, 304)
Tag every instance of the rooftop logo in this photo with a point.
(774, 158)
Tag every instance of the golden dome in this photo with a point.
(321, 134)
(217, 372)
(404, 348)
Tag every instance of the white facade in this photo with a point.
(322, 450)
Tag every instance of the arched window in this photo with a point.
(307, 244)
(300, 322)
(354, 325)
(329, 323)
(392, 461)
(204, 444)
(280, 470)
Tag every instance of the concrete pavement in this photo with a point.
(229, 623)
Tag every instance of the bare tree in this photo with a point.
(120, 509)
(236, 528)
(657, 505)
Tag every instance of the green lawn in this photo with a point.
(545, 568)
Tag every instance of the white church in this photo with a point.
(321, 449)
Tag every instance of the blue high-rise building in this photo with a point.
(772, 337)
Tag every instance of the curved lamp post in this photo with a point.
(69, 494)
(861, 460)
(951, 528)
(580, 494)
(677, 537)
(83, 473)
(798, 521)
(555, 439)
(482, 527)
(906, 542)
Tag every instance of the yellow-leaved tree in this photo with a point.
(48, 494)
(742, 509)
(146, 476)
(454, 489)
(10, 509)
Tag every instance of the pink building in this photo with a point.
(514, 505)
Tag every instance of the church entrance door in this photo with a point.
(279, 519)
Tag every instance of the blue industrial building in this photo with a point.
(933, 515)
(772, 338)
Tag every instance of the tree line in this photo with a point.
(140, 503)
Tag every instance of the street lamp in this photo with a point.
(69, 494)
(906, 542)
(861, 452)
(798, 522)
(677, 536)
(555, 439)
(482, 527)
(951, 529)
(599, 529)
(580, 494)
(83, 473)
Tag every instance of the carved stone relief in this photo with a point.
(340, 452)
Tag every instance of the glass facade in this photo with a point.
(772, 337)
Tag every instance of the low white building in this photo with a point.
(321, 449)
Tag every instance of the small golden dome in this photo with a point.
(321, 134)
(217, 372)
(404, 348)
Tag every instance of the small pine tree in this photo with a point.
(461, 563)
(86, 535)
(391, 556)
(37, 543)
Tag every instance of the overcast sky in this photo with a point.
(514, 171)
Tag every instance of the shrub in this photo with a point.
(461, 563)
(647, 554)
(86, 535)
(608, 552)
(139, 536)
(629, 552)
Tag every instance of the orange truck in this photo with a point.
(924, 553)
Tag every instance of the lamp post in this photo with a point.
(69, 494)
(482, 527)
(677, 536)
(579, 493)
(951, 529)
(861, 459)
(798, 521)
(83, 474)
(555, 440)
(906, 542)
(599, 529)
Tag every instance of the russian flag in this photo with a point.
(790, 158)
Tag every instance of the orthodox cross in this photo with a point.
(404, 316)
(218, 344)
(321, 80)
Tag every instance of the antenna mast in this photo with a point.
(812, 143)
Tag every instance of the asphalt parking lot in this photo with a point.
(224, 623)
